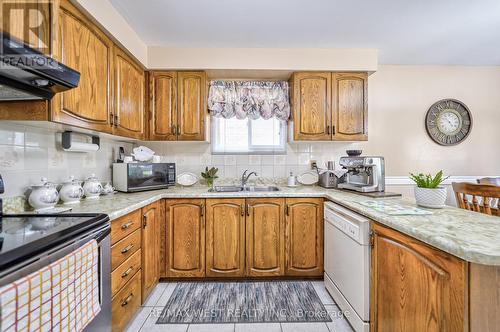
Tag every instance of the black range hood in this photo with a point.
(27, 74)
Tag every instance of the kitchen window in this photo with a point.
(247, 136)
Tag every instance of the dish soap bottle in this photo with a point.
(291, 180)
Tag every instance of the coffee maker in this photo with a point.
(364, 174)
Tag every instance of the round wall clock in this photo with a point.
(448, 122)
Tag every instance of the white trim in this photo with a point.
(405, 180)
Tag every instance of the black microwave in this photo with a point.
(132, 177)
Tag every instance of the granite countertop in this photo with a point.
(471, 236)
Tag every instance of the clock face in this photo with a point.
(448, 122)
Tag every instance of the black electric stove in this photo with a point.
(26, 235)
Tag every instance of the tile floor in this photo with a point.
(146, 317)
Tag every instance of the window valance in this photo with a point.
(252, 99)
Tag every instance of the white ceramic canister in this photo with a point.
(92, 187)
(71, 191)
(43, 195)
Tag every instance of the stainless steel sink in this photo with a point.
(226, 189)
(235, 189)
(258, 189)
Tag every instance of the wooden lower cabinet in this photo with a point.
(415, 287)
(150, 248)
(125, 303)
(122, 274)
(125, 248)
(185, 219)
(265, 241)
(225, 237)
(126, 272)
(304, 237)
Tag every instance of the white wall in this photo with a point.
(263, 58)
(399, 97)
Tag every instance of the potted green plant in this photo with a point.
(428, 192)
(210, 175)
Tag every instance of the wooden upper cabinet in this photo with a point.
(304, 237)
(29, 22)
(150, 248)
(83, 47)
(192, 106)
(185, 237)
(265, 242)
(225, 237)
(163, 106)
(311, 106)
(350, 106)
(129, 89)
(414, 286)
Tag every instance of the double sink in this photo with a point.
(236, 189)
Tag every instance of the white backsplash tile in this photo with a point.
(303, 158)
(28, 153)
(267, 160)
(230, 160)
(11, 157)
(57, 159)
(254, 160)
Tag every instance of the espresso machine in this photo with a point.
(364, 174)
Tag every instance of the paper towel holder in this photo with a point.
(69, 145)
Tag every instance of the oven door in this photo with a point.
(102, 322)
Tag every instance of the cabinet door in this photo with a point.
(225, 236)
(311, 106)
(81, 46)
(129, 96)
(265, 241)
(192, 105)
(163, 106)
(414, 286)
(350, 106)
(185, 237)
(29, 22)
(304, 237)
(150, 248)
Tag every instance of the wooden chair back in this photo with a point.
(482, 197)
(492, 181)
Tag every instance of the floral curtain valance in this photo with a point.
(242, 99)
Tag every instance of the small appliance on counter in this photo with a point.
(133, 177)
(364, 174)
(330, 178)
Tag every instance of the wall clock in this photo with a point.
(448, 122)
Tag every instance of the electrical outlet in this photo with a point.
(313, 164)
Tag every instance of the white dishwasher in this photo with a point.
(347, 263)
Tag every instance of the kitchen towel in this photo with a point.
(63, 296)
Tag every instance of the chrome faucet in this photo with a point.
(244, 177)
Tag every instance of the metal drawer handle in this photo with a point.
(126, 273)
(127, 225)
(127, 300)
(127, 248)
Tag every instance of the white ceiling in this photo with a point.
(455, 32)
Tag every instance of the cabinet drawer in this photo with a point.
(125, 271)
(123, 249)
(125, 225)
(126, 302)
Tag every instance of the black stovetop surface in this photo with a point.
(23, 235)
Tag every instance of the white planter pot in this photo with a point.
(431, 198)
